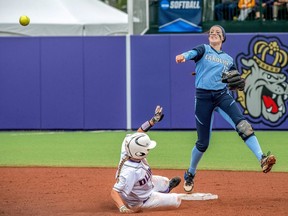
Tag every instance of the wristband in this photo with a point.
(146, 126)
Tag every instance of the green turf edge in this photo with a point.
(102, 149)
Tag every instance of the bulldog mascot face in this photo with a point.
(266, 88)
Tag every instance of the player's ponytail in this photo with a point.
(124, 159)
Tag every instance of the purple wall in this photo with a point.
(80, 82)
(105, 83)
(20, 97)
(62, 83)
(150, 68)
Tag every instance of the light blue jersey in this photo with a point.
(210, 65)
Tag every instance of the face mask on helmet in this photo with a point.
(138, 145)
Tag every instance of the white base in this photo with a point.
(198, 196)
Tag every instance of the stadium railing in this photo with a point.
(271, 19)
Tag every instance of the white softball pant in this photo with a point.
(159, 197)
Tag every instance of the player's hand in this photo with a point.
(124, 210)
(158, 115)
(180, 59)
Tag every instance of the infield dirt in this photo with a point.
(44, 191)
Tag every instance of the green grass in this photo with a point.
(102, 149)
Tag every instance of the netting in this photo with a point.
(139, 22)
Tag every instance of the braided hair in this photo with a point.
(124, 159)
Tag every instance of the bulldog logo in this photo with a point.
(266, 91)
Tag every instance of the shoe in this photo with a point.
(174, 182)
(267, 162)
(189, 182)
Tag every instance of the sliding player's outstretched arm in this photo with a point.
(158, 116)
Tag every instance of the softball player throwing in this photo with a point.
(136, 188)
(216, 74)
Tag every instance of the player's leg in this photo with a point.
(203, 114)
(163, 184)
(225, 116)
(162, 200)
(230, 111)
(252, 141)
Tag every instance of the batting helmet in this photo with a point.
(138, 145)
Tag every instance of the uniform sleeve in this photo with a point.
(189, 55)
(233, 67)
(195, 54)
(200, 52)
(126, 182)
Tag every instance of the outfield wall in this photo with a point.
(80, 82)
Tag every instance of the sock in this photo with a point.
(196, 156)
(253, 144)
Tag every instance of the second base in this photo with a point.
(198, 196)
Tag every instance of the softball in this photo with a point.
(24, 20)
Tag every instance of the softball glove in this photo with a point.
(233, 80)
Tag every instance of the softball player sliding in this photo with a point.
(136, 188)
(213, 66)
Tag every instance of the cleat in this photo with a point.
(174, 182)
(189, 182)
(267, 162)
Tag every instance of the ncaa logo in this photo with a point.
(164, 4)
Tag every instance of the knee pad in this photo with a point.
(201, 147)
(244, 129)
